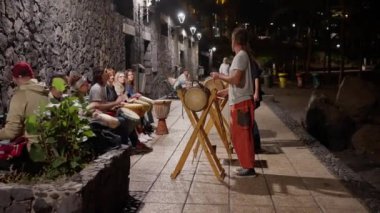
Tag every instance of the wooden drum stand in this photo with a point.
(200, 133)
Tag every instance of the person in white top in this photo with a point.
(240, 96)
(182, 80)
(224, 67)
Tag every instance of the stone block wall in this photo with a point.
(103, 186)
(60, 35)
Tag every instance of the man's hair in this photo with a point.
(97, 73)
(241, 37)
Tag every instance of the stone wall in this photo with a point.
(103, 186)
(59, 35)
(78, 35)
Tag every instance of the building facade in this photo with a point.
(56, 35)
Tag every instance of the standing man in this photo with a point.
(241, 101)
(224, 67)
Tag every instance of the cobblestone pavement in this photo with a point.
(293, 177)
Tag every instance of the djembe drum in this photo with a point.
(132, 118)
(196, 97)
(214, 84)
(161, 110)
(138, 108)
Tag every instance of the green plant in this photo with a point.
(62, 135)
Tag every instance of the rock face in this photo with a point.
(357, 98)
(103, 186)
(60, 34)
(327, 123)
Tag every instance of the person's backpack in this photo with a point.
(13, 149)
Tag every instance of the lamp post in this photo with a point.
(211, 51)
(181, 19)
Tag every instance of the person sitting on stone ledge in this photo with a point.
(100, 101)
(56, 95)
(27, 97)
(146, 132)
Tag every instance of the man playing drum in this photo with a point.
(98, 98)
(240, 95)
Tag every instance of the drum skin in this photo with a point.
(106, 120)
(196, 98)
(139, 109)
(214, 84)
(132, 118)
(147, 100)
(161, 108)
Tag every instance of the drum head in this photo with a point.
(196, 99)
(130, 114)
(162, 101)
(146, 99)
(214, 84)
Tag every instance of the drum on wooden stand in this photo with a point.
(161, 110)
(196, 97)
(133, 119)
(214, 84)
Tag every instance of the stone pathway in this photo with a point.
(291, 178)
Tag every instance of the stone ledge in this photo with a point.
(354, 182)
(103, 186)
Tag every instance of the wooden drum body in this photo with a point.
(138, 108)
(132, 118)
(161, 110)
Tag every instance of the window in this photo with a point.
(124, 7)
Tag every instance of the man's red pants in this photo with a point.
(242, 117)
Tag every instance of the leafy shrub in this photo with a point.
(62, 137)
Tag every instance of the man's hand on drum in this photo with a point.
(131, 100)
(121, 98)
(222, 93)
(136, 95)
(214, 75)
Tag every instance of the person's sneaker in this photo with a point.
(146, 136)
(142, 148)
(142, 139)
(124, 146)
(246, 172)
(153, 135)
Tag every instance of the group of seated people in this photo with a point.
(109, 92)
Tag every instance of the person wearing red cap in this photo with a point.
(27, 97)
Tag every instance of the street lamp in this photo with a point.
(199, 35)
(211, 50)
(192, 30)
(181, 17)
